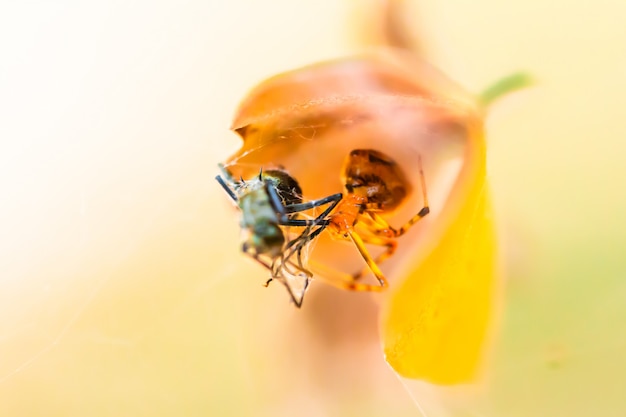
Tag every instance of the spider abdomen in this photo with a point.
(376, 177)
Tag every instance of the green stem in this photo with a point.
(504, 86)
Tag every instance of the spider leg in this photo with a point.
(390, 231)
(385, 229)
(284, 220)
(371, 263)
(389, 242)
(334, 199)
(341, 280)
(336, 278)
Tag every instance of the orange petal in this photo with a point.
(435, 316)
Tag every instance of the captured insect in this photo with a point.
(374, 185)
(268, 202)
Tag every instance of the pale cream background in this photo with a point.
(122, 289)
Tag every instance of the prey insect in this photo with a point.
(374, 185)
(270, 202)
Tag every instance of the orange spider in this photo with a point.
(374, 184)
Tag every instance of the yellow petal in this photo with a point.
(435, 322)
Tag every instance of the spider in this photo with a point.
(374, 184)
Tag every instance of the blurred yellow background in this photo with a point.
(123, 291)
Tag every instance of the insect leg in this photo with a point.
(262, 262)
(226, 188)
(275, 276)
(296, 300)
(283, 264)
(306, 238)
(297, 244)
(276, 202)
(278, 269)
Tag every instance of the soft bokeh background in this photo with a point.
(122, 289)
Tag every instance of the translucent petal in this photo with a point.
(435, 316)
(435, 322)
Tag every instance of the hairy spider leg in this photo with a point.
(371, 238)
(360, 245)
(386, 229)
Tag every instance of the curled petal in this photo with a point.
(435, 322)
(436, 313)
